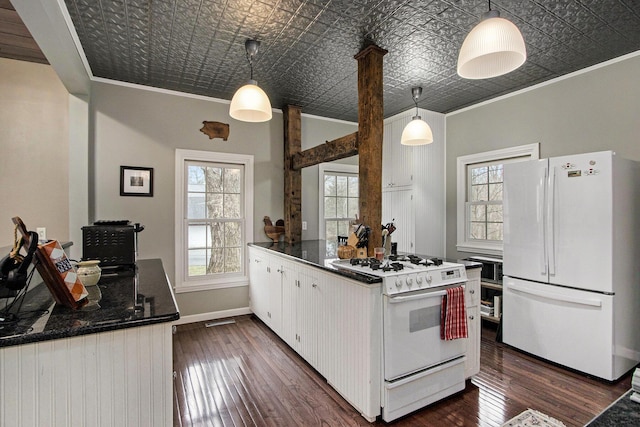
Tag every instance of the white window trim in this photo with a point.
(463, 245)
(181, 284)
(329, 167)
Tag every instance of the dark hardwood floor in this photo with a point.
(242, 374)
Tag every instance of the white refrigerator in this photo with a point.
(571, 286)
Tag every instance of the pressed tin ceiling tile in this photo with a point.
(307, 50)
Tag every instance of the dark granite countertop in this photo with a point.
(318, 254)
(129, 299)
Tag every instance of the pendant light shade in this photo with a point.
(417, 131)
(250, 103)
(493, 47)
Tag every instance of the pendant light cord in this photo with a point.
(250, 59)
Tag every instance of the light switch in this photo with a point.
(304, 225)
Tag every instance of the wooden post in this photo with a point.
(292, 178)
(370, 133)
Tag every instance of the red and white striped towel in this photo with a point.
(453, 315)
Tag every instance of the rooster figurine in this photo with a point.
(273, 231)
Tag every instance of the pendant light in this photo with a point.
(250, 103)
(493, 47)
(417, 131)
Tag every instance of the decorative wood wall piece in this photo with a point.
(340, 148)
(292, 178)
(370, 135)
(215, 130)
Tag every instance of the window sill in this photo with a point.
(480, 248)
(211, 285)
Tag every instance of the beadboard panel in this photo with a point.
(397, 206)
(427, 166)
(116, 378)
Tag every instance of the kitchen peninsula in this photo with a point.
(333, 318)
(108, 363)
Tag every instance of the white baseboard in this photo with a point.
(201, 317)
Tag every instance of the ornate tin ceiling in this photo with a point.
(306, 56)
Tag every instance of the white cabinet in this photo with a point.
(334, 323)
(297, 310)
(472, 303)
(265, 292)
(397, 166)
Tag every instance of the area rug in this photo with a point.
(624, 412)
(530, 418)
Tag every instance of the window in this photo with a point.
(480, 184)
(484, 203)
(339, 201)
(214, 206)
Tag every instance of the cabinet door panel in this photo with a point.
(258, 284)
(289, 305)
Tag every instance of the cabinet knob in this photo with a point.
(315, 285)
(471, 317)
(280, 271)
(472, 291)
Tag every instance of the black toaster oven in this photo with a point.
(113, 243)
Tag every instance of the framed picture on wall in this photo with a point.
(136, 181)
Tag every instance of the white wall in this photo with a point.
(589, 111)
(134, 126)
(34, 150)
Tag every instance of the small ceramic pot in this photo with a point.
(89, 272)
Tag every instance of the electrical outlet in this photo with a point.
(304, 225)
(42, 233)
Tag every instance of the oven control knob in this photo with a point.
(398, 283)
(429, 279)
(419, 280)
(409, 281)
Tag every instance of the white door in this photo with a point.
(580, 227)
(412, 334)
(566, 326)
(524, 250)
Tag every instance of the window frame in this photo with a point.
(225, 280)
(511, 154)
(337, 168)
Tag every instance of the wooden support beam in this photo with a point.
(370, 134)
(292, 178)
(340, 148)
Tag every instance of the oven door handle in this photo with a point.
(395, 300)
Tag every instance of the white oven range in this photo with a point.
(419, 368)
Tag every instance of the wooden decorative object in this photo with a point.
(337, 149)
(346, 252)
(50, 274)
(370, 132)
(292, 116)
(273, 231)
(215, 130)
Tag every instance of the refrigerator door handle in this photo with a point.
(551, 242)
(564, 298)
(541, 221)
